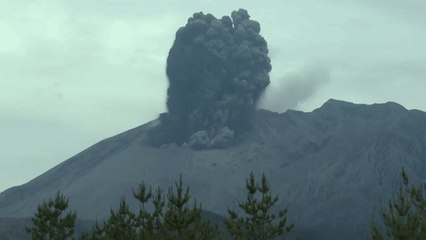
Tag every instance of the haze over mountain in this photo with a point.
(332, 167)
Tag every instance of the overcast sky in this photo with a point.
(75, 72)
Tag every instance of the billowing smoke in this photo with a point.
(217, 70)
(295, 88)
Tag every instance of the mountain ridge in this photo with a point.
(330, 165)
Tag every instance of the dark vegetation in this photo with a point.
(50, 221)
(168, 216)
(175, 216)
(256, 224)
(404, 216)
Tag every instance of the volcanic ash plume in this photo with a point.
(217, 70)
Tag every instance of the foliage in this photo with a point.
(168, 216)
(259, 223)
(182, 221)
(50, 221)
(174, 220)
(119, 226)
(405, 215)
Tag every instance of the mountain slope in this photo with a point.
(331, 167)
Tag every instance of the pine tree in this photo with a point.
(184, 222)
(259, 223)
(121, 225)
(172, 218)
(50, 222)
(150, 224)
(405, 215)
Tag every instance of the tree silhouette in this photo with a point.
(50, 221)
(405, 215)
(259, 223)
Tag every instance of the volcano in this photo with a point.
(332, 168)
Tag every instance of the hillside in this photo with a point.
(332, 167)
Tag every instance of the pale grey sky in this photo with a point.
(75, 72)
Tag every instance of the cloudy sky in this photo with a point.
(75, 72)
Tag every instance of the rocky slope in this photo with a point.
(332, 167)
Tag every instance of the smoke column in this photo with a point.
(217, 70)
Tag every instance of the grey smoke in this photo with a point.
(295, 88)
(201, 139)
(217, 71)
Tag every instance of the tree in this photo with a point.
(50, 221)
(171, 219)
(183, 222)
(121, 225)
(259, 223)
(150, 224)
(405, 215)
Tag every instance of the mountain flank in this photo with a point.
(331, 167)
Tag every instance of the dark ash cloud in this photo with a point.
(217, 70)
